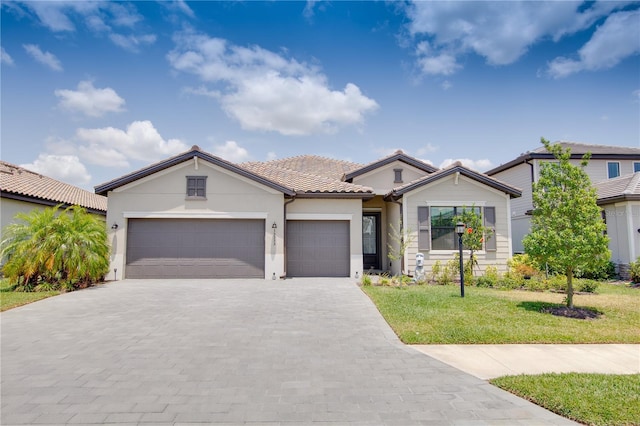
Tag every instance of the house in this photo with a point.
(22, 190)
(607, 162)
(196, 215)
(620, 201)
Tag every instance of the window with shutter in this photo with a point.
(424, 239)
(490, 224)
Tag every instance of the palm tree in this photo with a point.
(59, 247)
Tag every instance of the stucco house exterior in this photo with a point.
(620, 201)
(196, 215)
(22, 190)
(607, 162)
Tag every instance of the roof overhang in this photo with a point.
(388, 160)
(45, 202)
(618, 199)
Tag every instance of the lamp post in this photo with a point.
(460, 231)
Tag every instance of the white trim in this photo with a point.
(319, 216)
(630, 242)
(510, 236)
(195, 215)
(453, 203)
(372, 210)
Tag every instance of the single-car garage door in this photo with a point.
(317, 248)
(195, 248)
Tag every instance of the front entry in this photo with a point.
(371, 241)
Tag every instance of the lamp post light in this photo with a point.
(460, 231)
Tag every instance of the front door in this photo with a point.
(371, 241)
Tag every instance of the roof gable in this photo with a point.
(195, 152)
(21, 184)
(399, 155)
(456, 167)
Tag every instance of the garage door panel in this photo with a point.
(195, 248)
(318, 248)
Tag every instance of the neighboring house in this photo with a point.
(620, 200)
(607, 162)
(22, 190)
(196, 215)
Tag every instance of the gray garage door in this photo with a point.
(195, 248)
(318, 248)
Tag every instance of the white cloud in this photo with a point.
(479, 165)
(5, 58)
(618, 38)
(132, 43)
(264, 90)
(66, 168)
(231, 151)
(501, 32)
(202, 91)
(636, 94)
(446, 85)
(114, 147)
(99, 17)
(271, 156)
(89, 100)
(45, 58)
(426, 149)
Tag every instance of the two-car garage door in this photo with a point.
(195, 248)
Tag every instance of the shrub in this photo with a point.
(511, 281)
(587, 286)
(366, 280)
(606, 272)
(536, 283)
(634, 271)
(523, 265)
(490, 277)
(63, 248)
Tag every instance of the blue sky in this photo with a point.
(91, 91)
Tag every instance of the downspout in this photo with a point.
(284, 236)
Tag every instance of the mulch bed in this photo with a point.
(579, 313)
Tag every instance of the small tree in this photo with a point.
(567, 230)
(58, 247)
(400, 241)
(475, 233)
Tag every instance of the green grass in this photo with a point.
(11, 299)
(593, 399)
(438, 315)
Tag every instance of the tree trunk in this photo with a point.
(570, 288)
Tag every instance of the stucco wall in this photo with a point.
(382, 178)
(163, 195)
(466, 192)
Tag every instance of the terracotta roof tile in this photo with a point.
(22, 182)
(308, 173)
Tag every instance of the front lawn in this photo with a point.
(593, 399)
(11, 299)
(438, 315)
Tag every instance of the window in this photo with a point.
(613, 169)
(397, 175)
(443, 234)
(196, 186)
(636, 167)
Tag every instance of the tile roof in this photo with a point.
(399, 155)
(19, 183)
(600, 152)
(456, 167)
(309, 174)
(619, 189)
(583, 148)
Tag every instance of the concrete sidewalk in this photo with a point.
(489, 361)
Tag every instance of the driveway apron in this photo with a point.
(170, 352)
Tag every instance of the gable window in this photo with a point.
(613, 169)
(636, 166)
(397, 176)
(196, 186)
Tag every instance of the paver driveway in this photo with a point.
(231, 351)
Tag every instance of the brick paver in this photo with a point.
(193, 352)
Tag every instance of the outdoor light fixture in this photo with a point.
(114, 226)
(460, 231)
(274, 227)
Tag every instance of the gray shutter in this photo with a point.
(490, 224)
(424, 238)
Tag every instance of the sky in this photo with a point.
(91, 91)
